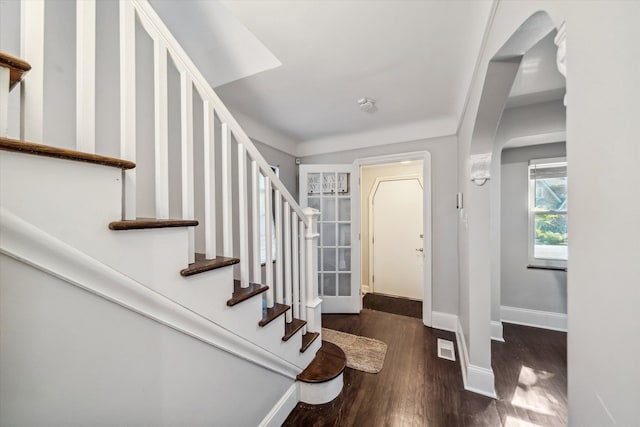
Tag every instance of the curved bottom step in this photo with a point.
(322, 381)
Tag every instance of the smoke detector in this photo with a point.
(367, 104)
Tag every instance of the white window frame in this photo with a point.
(261, 220)
(533, 261)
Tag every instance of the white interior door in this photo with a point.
(330, 189)
(397, 237)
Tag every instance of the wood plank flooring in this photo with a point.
(416, 388)
(388, 304)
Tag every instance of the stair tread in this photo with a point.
(269, 314)
(291, 328)
(307, 340)
(329, 362)
(242, 294)
(8, 144)
(202, 264)
(144, 223)
(17, 68)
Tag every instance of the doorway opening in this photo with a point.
(395, 234)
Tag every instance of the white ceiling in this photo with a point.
(222, 47)
(415, 58)
(291, 71)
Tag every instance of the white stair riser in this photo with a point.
(319, 393)
(76, 202)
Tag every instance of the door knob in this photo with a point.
(420, 249)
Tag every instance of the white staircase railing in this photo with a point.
(239, 216)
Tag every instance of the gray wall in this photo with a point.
(523, 125)
(70, 357)
(286, 162)
(603, 149)
(534, 289)
(443, 192)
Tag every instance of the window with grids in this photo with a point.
(263, 220)
(548, 236)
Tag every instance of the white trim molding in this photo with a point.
(496, 331)
(283, 407)
(535, 318)
(475, 378)
(32, 246)
(444, 321)
(440, 127)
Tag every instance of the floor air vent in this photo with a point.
(445, 350)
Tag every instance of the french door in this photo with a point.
(332, 189)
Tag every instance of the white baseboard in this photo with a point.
(365, 289)
(496, 331)
(475, 378)
(282, 409)
(535, 318)
(444, 321)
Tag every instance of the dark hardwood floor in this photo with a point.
(416, 388)
(395, 305)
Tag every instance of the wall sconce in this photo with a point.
(480, 168)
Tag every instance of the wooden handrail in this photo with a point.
(17, 68)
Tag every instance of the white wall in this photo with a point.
(443, 197)
(522, 287)
(368, 176)
(602, 128)
(70, 357)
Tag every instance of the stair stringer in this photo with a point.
(62, 206)
(30, 245)
(269, 336)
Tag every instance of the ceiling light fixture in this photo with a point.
(367, 104)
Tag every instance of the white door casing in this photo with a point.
(396, 257)
(332, 190)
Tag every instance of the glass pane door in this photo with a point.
(329, 189)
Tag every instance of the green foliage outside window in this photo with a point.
(551, 229)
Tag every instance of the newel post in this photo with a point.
(313, 303)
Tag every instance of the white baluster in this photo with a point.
(279, 278)
(227, 219)
(268, 280)
(4, 101)
(295, 260)
(209, 181)
(287, 260)
(303, 276)
(243, 217)
(32, 95)
(127, 104)
(255, 222)
(161, 123)
(186, 108)
(86, 76)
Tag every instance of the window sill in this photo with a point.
(546, 267)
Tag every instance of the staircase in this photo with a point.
(66, 211)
